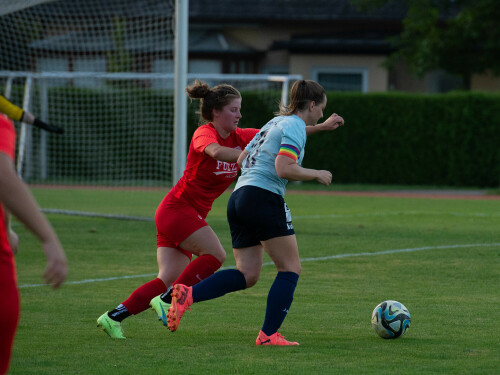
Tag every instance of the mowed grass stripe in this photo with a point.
(303, 260)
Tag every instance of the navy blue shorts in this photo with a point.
(256, 215)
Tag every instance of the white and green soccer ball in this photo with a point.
(390, 319)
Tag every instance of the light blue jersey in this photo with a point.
(284, 135)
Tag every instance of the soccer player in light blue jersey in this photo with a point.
(258, 216)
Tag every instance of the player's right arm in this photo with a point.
(242, 157)
(222, 153)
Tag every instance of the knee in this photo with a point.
(251, 277)
(219, 254)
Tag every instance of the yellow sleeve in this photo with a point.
(12, 111)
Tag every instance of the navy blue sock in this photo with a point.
(279, 300)
(218, 284)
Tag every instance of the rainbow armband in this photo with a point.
(290, 151)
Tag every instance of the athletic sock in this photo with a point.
(140, 298)
(279, 300)
(119, 313)
(218, 284)
(167, 296)
(198, 270)
(202, 267)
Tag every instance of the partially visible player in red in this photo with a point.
(16, 198)
(180, 218)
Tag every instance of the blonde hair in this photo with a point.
(216, 97)
(302, 93)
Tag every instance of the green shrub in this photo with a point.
(389, 138)
(395, 138)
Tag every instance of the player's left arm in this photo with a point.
(17, 114)
(331, 123)
(12, 236)
(12, 111)
(17, 198)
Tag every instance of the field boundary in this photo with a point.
(427, 194)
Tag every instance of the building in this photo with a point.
(326, 40)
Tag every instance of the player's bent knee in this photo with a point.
(251, 278)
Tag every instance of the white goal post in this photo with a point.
(116, 139)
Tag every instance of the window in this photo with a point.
(342, 79)
(275, 69)
(53, 65)
(97, 65)
(162, 66)
(205, 66)
(195, 66)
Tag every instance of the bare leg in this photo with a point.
(249, 263)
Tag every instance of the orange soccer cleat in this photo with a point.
(182, 298)
(274, 339)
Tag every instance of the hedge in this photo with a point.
(388, 138)
(392, 138)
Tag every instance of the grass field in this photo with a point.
(440, 257)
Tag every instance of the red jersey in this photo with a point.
(205, 178)
(7, 146)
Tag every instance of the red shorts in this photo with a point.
(175, 221)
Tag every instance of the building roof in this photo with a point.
(200, 40)
(287, 10)
(231, 11)
(350, 43)
(208, 18)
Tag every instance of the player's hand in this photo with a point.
(47, 127)
(57, 268)
(324, 177)
(333, 122)
(14, 241)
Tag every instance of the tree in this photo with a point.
(460, 37)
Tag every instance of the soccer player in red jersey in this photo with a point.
(16, 198)
(180, 218)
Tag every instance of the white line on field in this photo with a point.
(378, 214)
(324, 216)
(349, 255)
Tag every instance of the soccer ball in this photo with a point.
(390, 319)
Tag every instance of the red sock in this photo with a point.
(198, 270)
(140, 298)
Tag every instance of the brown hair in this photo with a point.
(211, 98)
(302, 93)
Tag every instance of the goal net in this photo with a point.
(103, 71)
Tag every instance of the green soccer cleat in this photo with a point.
(161, 309)
(110, 326)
